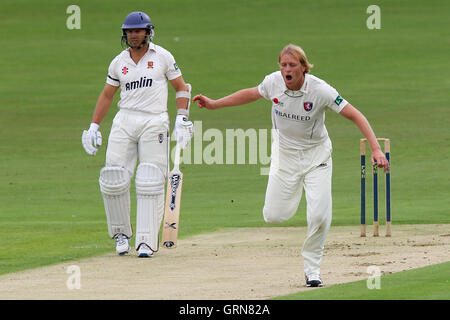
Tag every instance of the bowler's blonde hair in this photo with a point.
(297, 53)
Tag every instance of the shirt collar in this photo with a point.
(298, 93)
(304, 87)
(152, 47)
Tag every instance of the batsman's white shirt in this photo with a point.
(301, 158)
(143, 86)
(299, 116)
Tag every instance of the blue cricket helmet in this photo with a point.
(137, 20)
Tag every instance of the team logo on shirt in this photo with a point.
(291, 116)
(125, 70)
(307, 106)
(150, 65)
(143, 82)
(176, 66)
(338, 100)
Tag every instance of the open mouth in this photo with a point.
(288, 77)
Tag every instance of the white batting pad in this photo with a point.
(150, 204)
(115, 187)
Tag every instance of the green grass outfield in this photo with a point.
(50, 205)
(428, 283)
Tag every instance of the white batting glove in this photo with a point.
(184, 130)
(91, 139)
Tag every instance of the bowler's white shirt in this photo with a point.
(299, 116)
(143, 86)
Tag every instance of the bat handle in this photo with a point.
(176, 161)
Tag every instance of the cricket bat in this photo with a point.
(172, 205)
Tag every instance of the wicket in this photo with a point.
(387, 151)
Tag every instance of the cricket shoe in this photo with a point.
(122, 244)
(144, 251)
(313, 280)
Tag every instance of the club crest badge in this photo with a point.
(150, 65)
(308, 106)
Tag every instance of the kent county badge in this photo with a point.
(308, 106)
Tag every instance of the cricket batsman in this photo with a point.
(299, 101)
(139, 134)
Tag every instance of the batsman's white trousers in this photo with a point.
(294, 171)
(136, 134)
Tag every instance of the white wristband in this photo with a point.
(94, 127)
(183, 94)
(183, 112)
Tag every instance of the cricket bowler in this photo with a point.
(299, 101)
(139, 134)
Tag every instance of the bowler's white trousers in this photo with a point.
(293, 171)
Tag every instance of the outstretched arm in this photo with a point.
(361, 122)
(238, 98)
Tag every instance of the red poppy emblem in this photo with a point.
(275, 101)
(124, 70)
